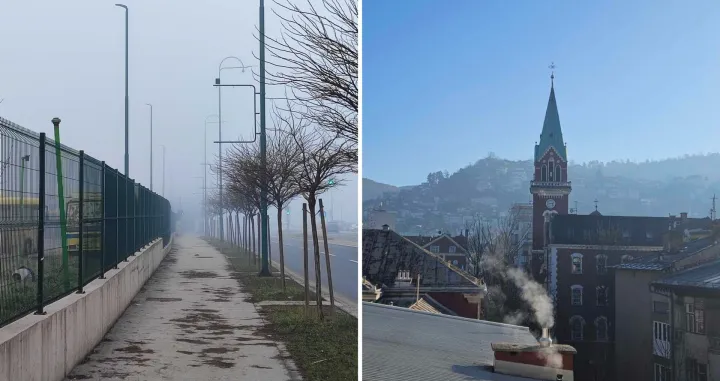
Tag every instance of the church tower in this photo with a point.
(550, 187)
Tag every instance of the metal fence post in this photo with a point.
(81, 201)
(102, 222)
(41, 226)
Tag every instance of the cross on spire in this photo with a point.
(552, 72)
(596, 202)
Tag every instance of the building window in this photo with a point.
(543, 173)
(452, 249)
(601, 293)
(695, 371)
(601, 328)
(576, 263)
(694, 318)
(435, 249)
(601, 264)
(558, 173)
(626, 258)
(649, 235)
(626, 233)
(577, 326)
(661, 339)
(576, 295)
(662, 373)
(661, 307)
(551, 170)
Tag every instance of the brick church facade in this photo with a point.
(572, 254)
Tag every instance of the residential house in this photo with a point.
(686, 338)
(451, 249)
(642, 318)
(405, 272)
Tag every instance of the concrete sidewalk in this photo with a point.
(189, 322)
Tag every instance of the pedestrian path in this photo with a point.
(189, 322)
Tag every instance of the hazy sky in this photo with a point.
(66, 59)
(444, 83)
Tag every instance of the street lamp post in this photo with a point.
(265, 269)
(151, 146)
(127, 97)
(220, 193)
(163, 176)
(205, 172)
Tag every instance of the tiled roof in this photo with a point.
(706, 276)
(428, 304)
(400, 344)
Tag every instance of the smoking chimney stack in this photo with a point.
(545, 340)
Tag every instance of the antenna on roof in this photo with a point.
(712, 211)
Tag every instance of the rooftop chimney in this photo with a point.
(386, 227)
(545, 340)
(683, 216)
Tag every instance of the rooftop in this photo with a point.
(664, 260)
(705, 276)
(400, 344)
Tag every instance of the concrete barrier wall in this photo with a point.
(47, 347)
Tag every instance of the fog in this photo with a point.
(67, 60)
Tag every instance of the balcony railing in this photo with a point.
(558, 184)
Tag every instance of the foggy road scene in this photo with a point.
(148, 153)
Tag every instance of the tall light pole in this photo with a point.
(163, 177)
(265, 268)
(151, 147)
(127, 97)
(205, 171)
(220, 190)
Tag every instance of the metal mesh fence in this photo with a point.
(65, 220)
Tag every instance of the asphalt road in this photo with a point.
(343, 263)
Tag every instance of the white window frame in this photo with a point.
(581, 321)
(694, 319)
(435, 249)
(573, 289)
(662, 336)
(598, 337)
(660, 375)
(452, 249)
(601, 259)
(574, 256)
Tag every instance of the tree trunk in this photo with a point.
(280, 245)
(316, 250)
(252, 234)
(327, 259)
(237, 230)
(306, 265)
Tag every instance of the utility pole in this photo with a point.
(265, 269)
(151, 146)
(127, 97)
(163, 176)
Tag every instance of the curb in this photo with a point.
(340, 301)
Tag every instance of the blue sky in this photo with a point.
(446, 82)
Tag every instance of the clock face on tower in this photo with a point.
(550, 203)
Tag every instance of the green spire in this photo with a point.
(551, 135)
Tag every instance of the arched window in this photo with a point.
(577, 326)
(576, 295)
(601, 296)
(576, 260)
(601, 264)
(551, 170)
(626, 258)
(558, 173)
(543, 173)
(601, 328)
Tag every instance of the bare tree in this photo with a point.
(493, 249)
(323, 158)
(316, 55)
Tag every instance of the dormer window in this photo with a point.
(435, 249)
(452, 249)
